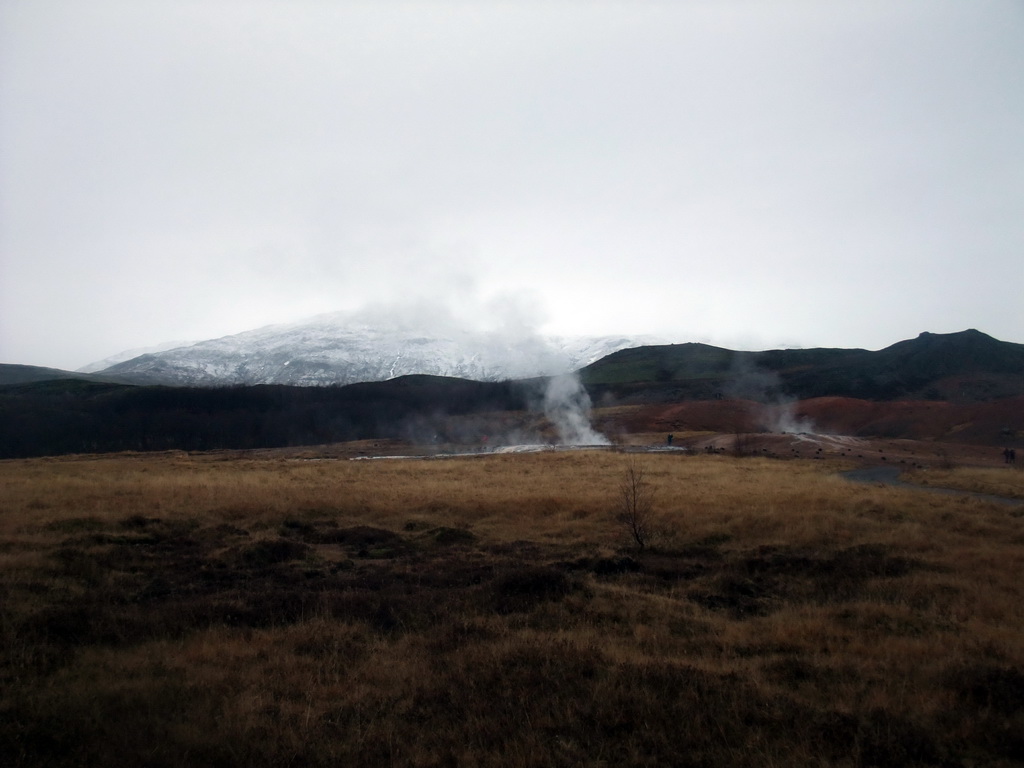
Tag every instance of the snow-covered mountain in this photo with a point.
(341, 348)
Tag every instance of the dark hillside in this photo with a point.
(71, 416)
(662, 363)
(969, 366)
(26, 374)
(949, 354)
(662, 373)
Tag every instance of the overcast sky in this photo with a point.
(749, 174)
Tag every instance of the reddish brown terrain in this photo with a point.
(903, 432)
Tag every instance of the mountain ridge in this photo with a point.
(975, 385)
(340, 348)
(963, 366)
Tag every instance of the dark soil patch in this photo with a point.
(522, 589)
(605, 566)
(364, 540)
(752, 583)
(273, 551)
(756, 583)
(449, 536)
(998, 689)
(146, 578)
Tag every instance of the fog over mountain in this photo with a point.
(345, 348)
(743, 174)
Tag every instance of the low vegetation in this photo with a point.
(168, 609)
(1001, 481)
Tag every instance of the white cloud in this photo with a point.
(713, 171)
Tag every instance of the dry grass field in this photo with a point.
(167, 610)
(997, 481)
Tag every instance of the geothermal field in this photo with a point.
(730, 599)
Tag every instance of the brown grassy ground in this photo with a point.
(997, 481)
(264, 610)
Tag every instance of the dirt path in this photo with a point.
(891, 476)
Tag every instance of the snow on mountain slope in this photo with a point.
(341, 348)
(128, 354)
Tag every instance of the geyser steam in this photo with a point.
(567, 406)
(775, 411)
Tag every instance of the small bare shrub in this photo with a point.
(636, 504)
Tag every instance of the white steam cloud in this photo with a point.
(775, 411)
(567, 406)
(782, 417)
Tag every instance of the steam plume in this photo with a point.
(775, 411)
(567, 406)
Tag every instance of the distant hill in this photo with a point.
(14, 375)
(969, 366)
(26, 374)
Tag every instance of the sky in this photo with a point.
(751, 174)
